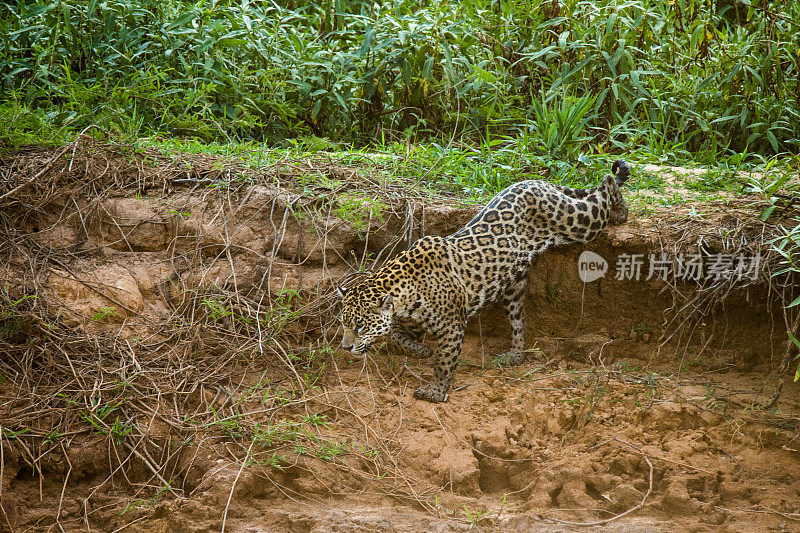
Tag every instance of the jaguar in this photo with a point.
(438, 283)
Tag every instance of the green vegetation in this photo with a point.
(104, 313)
(475, 516)
(788, 247)
(144, 503)
(714, 179)
(769, 189)
(11, 319)
(358, 211)
(274, 319)
(300, 437)
(685, 78)
(99, 420)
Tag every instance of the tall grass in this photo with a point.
(685, 77)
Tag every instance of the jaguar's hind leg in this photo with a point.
(512, 302)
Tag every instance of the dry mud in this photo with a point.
(636, 396)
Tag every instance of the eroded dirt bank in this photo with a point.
(169, 363)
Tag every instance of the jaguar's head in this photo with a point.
(366, 315)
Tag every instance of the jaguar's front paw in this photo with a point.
(430, 394)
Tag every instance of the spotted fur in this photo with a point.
(440, 282)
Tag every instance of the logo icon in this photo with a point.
(591, 266)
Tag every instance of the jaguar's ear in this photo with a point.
(387, 303)
(340, 291)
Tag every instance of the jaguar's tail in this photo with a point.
(621, 171)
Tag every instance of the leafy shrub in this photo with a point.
(690, 76)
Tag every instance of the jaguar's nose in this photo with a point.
(348, 339)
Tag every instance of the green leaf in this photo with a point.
(795, 341)
(699, 30)
(366, 43)
(610, 22)
(772, 140)
(618, 55)
(180, 21)
(765, 214)
(562, 39)
(778, 183)
(32, 11)
(539, 53)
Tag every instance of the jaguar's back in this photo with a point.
(495, 248)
